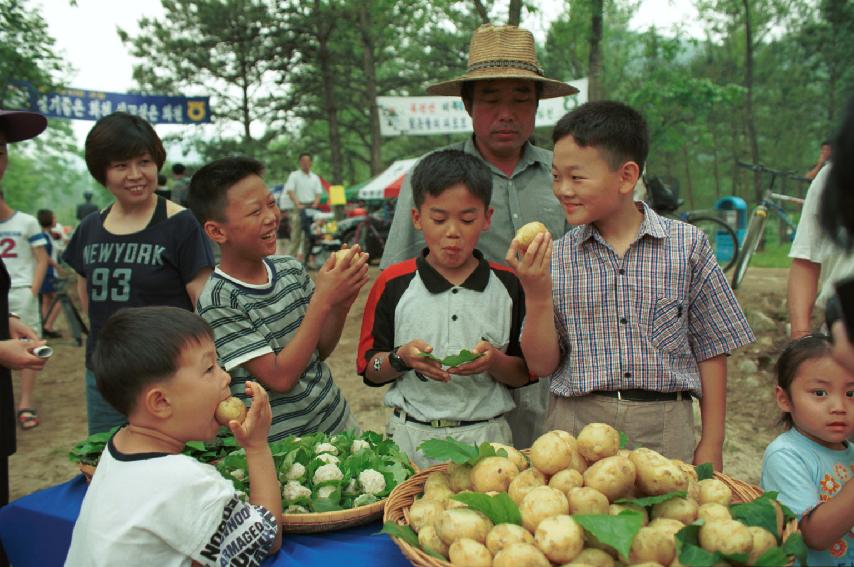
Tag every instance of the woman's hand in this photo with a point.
(15, 354)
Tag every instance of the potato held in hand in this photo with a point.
(228, 409)
(527, 233)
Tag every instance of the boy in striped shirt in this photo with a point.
(271, 322)
(633, 316)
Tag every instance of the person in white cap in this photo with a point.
(15, 126)
(501, 90)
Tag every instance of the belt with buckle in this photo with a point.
(638, 395)
(437, 423)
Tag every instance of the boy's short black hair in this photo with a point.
(440, 170)
(141, 346)
(616, 129)
(45, 218)
(178, 168)
(208, 194)
(120, 136)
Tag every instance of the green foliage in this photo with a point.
(402, 532)
(652, 500)
(705, 471)
(450, 449)
(453, 360)
(615, 531)
(500, 509)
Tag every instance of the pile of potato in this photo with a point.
(567, 476)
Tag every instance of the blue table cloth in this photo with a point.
(36, 531)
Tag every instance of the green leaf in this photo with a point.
(652, 500)
(688, 548)
(794, 545)
(499, 508)
(432, 553)
(774, 557)
(402, 532)
(450, 450)
(624, 440)
(462, 357)
(760, 513)
(616, 531)
(705, 471)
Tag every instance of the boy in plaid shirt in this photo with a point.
(629, 313)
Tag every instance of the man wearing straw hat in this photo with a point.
(501, 90)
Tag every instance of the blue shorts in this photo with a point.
(101, 416)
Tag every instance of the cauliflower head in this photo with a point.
(327, 459)
(371, 481)
(296, 472)
(325, 491)
(327, 472)
(358, 445)
(325, 448)
(293, 490)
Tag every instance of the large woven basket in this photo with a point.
(402, 497)
(330, 521)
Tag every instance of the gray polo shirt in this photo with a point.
(524, 197)
(411, 300)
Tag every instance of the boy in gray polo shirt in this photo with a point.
(447, 299)
(272, 323)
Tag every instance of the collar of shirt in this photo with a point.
(652, 225)
(531, 155)
(436, 282)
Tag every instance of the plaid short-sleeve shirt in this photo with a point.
(645, 320)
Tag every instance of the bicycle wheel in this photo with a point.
(755, 230)
(722, 238)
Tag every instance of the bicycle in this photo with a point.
(72, 316)
(664, 199)
(771, 202)
(369, 231)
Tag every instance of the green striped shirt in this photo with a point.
(253, 320)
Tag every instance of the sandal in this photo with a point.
(28, 418)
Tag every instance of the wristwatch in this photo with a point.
(396, 362)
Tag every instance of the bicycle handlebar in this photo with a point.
(785, 198)
(775, 172)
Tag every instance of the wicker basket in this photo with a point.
(330, 521)
(402, 497)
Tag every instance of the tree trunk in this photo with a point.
(689, 185)
(325, 28)
(514, 15)
(371, 87)
(716, 162)
(595, 89)
(481, 11)
(750, 123)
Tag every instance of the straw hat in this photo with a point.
(502, 52)
(18, 125)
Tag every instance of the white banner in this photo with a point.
(427, 115)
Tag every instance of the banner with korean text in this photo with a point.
(79, 104)
(427, 115)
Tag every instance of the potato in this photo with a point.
(577, 462)
(727, 536)
(682, 509)
(586, 500)
(519, 554)
(459, 477)
(713, 490)
(713, 511)
(566, 480)
(503, 535)
(341, 255)
(493, 473)
(657, 474)
(559, 538)
(527, 233)
(469, 553)
(550, 453)
(615, 509)
(514, 454)
(428, 538)
(452, 503)
(763, 540)
(651, 544)
(540, 503)
(593, 557)
(435, 479)
(612, 476)
(439, 493)
(424, 512)
(597, 441)
(526, 481)
(566, 436)
(462, 523)
(668, 525)
(230, 409)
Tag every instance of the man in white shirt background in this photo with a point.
(304, 190)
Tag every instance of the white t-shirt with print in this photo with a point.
(19, 234)
(159, 509)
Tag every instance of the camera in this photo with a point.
(841, 307)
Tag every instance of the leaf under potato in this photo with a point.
(652, 500)
(500, 509)
(402, 532)
(450, 449)
(615, 531)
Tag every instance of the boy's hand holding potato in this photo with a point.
(342, 276)
(251, 433)
(530, 256)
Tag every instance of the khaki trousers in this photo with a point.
(666, 427)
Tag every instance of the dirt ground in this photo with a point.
(42, 459)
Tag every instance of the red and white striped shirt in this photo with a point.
(645, 320)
